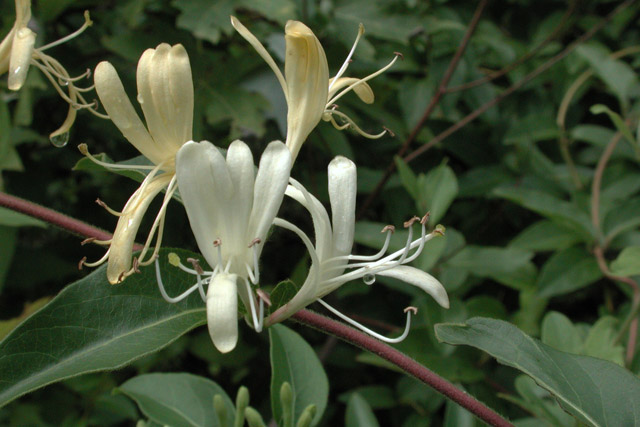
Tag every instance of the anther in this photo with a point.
(88, 240)
(136, 265)
(84, 150)
(101, 203)
(196, 265)
(399, 55)
(263, 296)
(409, 223)
(425, 218)
(412, 309)
(217, 242)
(254, 242)
(389, 131)
(390, 228)
(120, 277)
(81, 262)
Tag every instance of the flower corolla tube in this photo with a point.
(165, 93)
(230, 210)
(18, 53)
(310, 94)
(332, 263)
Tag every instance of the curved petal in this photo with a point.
(121, 111)
(23, 12)
(306, 73)
(205, 188)
(342, 194)
(241, 170)
(222, 311)
(21, 51)
(271, 183)
(121, 248)
(165, 92)
(419, 278)
(363, 90)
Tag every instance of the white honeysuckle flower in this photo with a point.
(165, 93)
(230, 210)
(311, 95)
(330, 257)
(18, 53)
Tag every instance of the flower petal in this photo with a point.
(121, 111)
(241, 170)
(363, 90)
(419, 278)
(222, 311)
(121, 248)
(21, 51)
(306, 74)
(205, 187)
(342, 194)
(271, 183)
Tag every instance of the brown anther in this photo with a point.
(390, 228)
(196, 265)
(350, 61)
(120, 277)
(425, 218)
(101, 203)
(81, 262)
(88, 240)
(411, 308)
(412, 221)
(334, 106)
(264, 296)
(83, 149)
(217, 242)
(399, 54)
(389, 131)
(136, 265)
(254, 242)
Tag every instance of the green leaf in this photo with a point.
(12, 218)
(85, 164)
(617, 121)
(487, 261)
(377, 21)
(408, 178)
(560, 333)
(242, 108)
(601, 341)
(359, 413)
(622, 218)
(438, 189)
(282, 293)
(564, 213)
(294, 361)
(567, 271)
(627, 263)
(205, 19)
(595, 391)
(177, 399)
(8, 241)
(94, 326)
(545, 235)
(278, 10)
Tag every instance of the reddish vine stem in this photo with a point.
(317, 321)
(442, 89)
(483, 108)
(402, 361)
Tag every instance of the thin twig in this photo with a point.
(403, 362)
(480, 110)
(442, 89)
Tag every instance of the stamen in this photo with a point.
(180, 297)
(217, 243)
(135, 265)
(347, 61)
(196, 265)
(423, 234)
(96, 241)
(256, 269)
(363, 328)
(76, 33)
(81, 262)
(263, 296)
(357, 128)
(336, 125)
(425, 218)
(84, 262)
(258, 319)
(84, 150)
(410, 222)
(107, 208)
(389, 131)
(389, 229)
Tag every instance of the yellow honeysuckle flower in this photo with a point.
(165, 93)
(311, 95)
(18, 52)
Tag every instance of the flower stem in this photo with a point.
(403, 362)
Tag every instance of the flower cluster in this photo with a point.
(231, 206)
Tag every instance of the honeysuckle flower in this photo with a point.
(230, 211)
(165, 93)
(311, 95)
(330, 256)
(18, 52)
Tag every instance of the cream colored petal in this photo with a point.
(342, 194)
(241, 169)
(117, 105)
(206, 188)
(271, 183)
(253, 41)
(23, 12)
(222, 311)
(121, 249)
(5, 51)
(306, 73)
(21, 51)
(422, 280)
(165, 92)
(363, 90)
